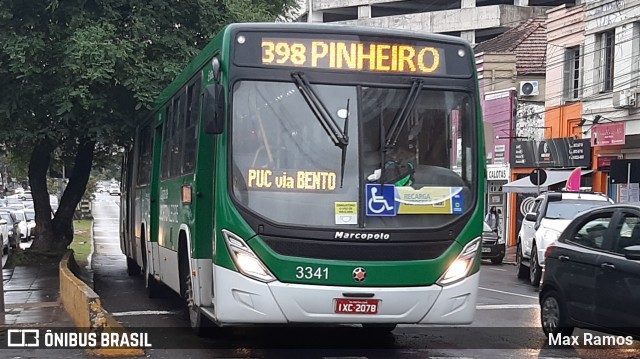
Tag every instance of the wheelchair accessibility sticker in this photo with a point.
(381, 200)
(392, 201)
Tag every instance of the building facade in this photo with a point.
(511, 71)
(611, 82)
(474, 20)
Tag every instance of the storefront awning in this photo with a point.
(524, 185)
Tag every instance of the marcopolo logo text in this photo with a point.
(380, 236)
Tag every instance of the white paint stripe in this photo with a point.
(516, 294)
(507, 306)
(142, 312)
(499, 269)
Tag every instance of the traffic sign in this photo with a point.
(538, 176)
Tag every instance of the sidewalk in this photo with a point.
(510, 255)
(31, 295)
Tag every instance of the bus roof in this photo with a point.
(207, 53)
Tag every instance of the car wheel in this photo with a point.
(535, 271)
(521, 269)
(553, 314)
(497, 260)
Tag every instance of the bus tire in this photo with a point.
(200, 323)
(154, 288)
(133, 268)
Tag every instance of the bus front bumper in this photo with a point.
(241, 300)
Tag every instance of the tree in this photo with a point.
(76, 75)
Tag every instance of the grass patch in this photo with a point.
(81, 244)
(20, 257)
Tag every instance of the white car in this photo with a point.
(5, 232)
(114, 190)
(30, 215)
(23, 228)
(550, 214)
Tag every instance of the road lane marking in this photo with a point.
(510, 293)
(142, 312)
(508, 306)
(499, 269)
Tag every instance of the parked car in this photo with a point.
(14, 236)
(21, 220)
(4, 235)
(30, 216)
(26, 196)
(493, 247)
(550, 214)
(114, 189)
(592, 274)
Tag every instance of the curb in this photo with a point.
(85, 308)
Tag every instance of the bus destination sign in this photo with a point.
(352, 55)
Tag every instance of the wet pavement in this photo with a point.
(32, 300)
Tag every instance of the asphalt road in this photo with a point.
(506, 324)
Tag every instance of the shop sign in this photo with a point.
(551, 152)
(604, 162)
(607, 134)
(498, 173)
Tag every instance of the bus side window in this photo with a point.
(166, 136)
(177, 132)
(191, 127)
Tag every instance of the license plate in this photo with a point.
(357, 306)
(486, 250)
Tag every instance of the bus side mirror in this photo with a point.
(214, 106)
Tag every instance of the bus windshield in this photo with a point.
(286, 167)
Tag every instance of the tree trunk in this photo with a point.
(59, 233)
(38, 166)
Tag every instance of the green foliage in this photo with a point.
(77, 70)
(81, 244)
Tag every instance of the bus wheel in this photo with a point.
(154, 288)
(132, 267)
(379, 329)
(200, 324)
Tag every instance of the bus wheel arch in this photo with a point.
(154, 288)
(200, 324)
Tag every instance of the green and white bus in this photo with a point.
(308, 173)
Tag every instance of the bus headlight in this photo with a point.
(461, 266)
(245, 260)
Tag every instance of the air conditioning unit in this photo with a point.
(625, 99)
(529, 88)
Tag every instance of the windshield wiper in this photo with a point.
(400, 120)
(388, 141)
(337, 135)
(320, 111)
(344, 148)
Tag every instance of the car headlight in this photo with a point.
(10, 233)
(460, 267)
(245, 259)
